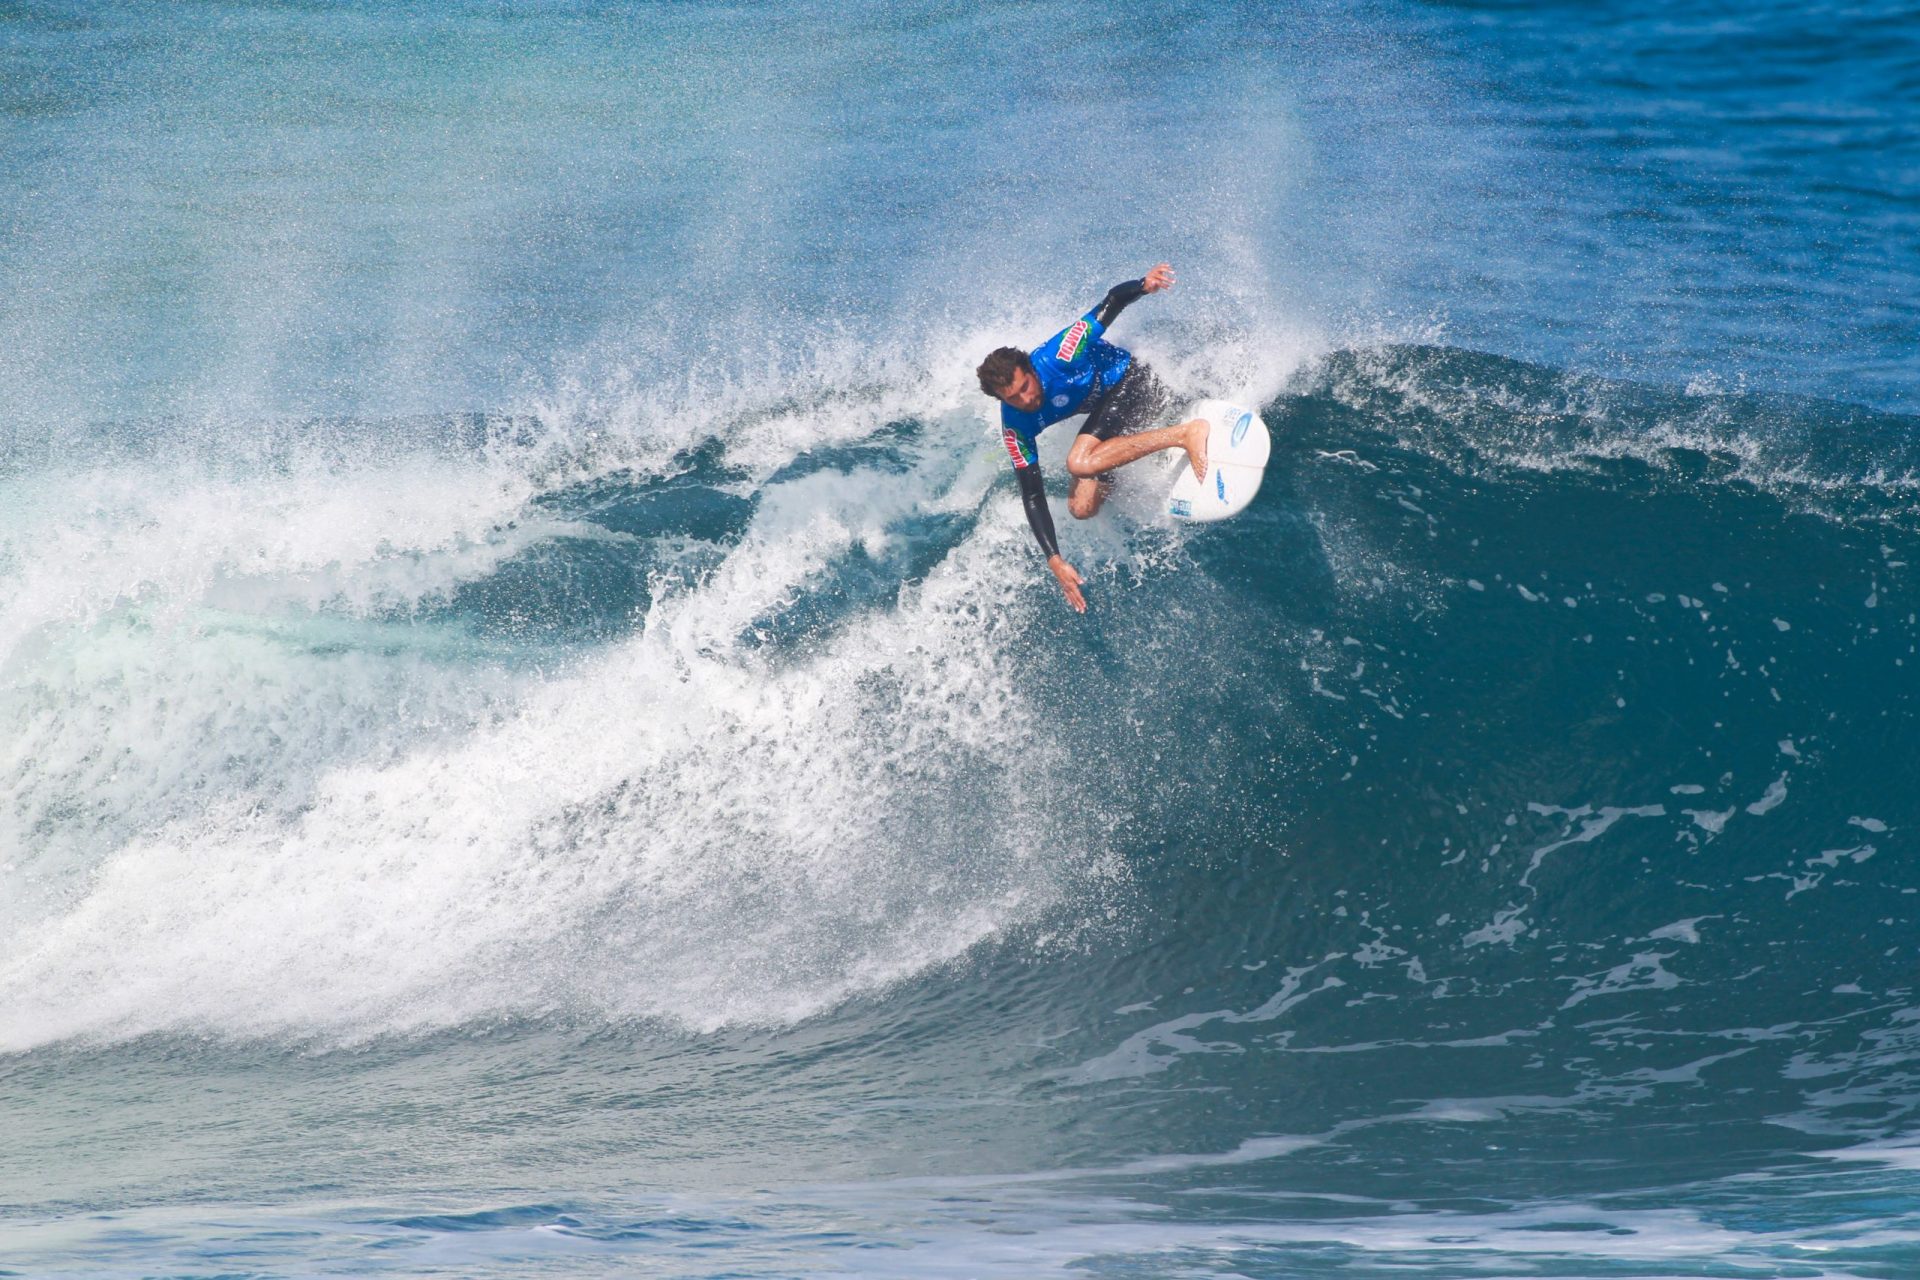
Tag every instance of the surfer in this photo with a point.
(1077, 371)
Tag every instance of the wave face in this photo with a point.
(533, 740)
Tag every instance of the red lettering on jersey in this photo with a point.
(1070, 342)
(1015, 446)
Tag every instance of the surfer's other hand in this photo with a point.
(1070, 580)
(1161, 277)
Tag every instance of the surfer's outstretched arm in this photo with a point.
(1121, 296)
(1118, 299)
(1033, 496)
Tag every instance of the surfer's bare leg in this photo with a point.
(1088, 492)
(1091, 457)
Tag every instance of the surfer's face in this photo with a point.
(1023, 391)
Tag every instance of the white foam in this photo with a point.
(1644, 972)
(1594, 823)
(1158, 1047)
(676, 830)
(1775, 796)
(1711, 821)
(341, 840)
(1687, 930)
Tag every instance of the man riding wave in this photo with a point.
(1077, 371)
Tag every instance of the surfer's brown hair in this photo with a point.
(997, 370)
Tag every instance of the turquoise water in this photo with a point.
(535, 741)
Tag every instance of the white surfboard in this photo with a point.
(1237, 448)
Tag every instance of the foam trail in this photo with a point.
(681, 828)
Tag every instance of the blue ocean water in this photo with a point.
(536, 742)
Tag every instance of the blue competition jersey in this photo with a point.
(1075, 367)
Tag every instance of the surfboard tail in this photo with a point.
(1238, 446)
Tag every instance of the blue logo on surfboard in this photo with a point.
(1220, 484)
(1240, 428)
(1180, 507)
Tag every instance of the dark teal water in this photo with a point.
(536, 743)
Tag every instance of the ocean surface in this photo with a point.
(534, 740)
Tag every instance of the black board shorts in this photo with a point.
(1132, 406)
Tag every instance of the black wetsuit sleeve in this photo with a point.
(1118, 299)
(1033, 496)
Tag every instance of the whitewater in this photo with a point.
(534, 739)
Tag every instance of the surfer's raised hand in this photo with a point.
(1070, 580)
(1161, 277)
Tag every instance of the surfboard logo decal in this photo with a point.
(1240, 428)
(1021, 452)
(1220, 484)
(1180, 507)
(1070, 342)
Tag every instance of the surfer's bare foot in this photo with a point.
(1195, 444)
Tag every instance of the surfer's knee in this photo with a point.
(1080, 462)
